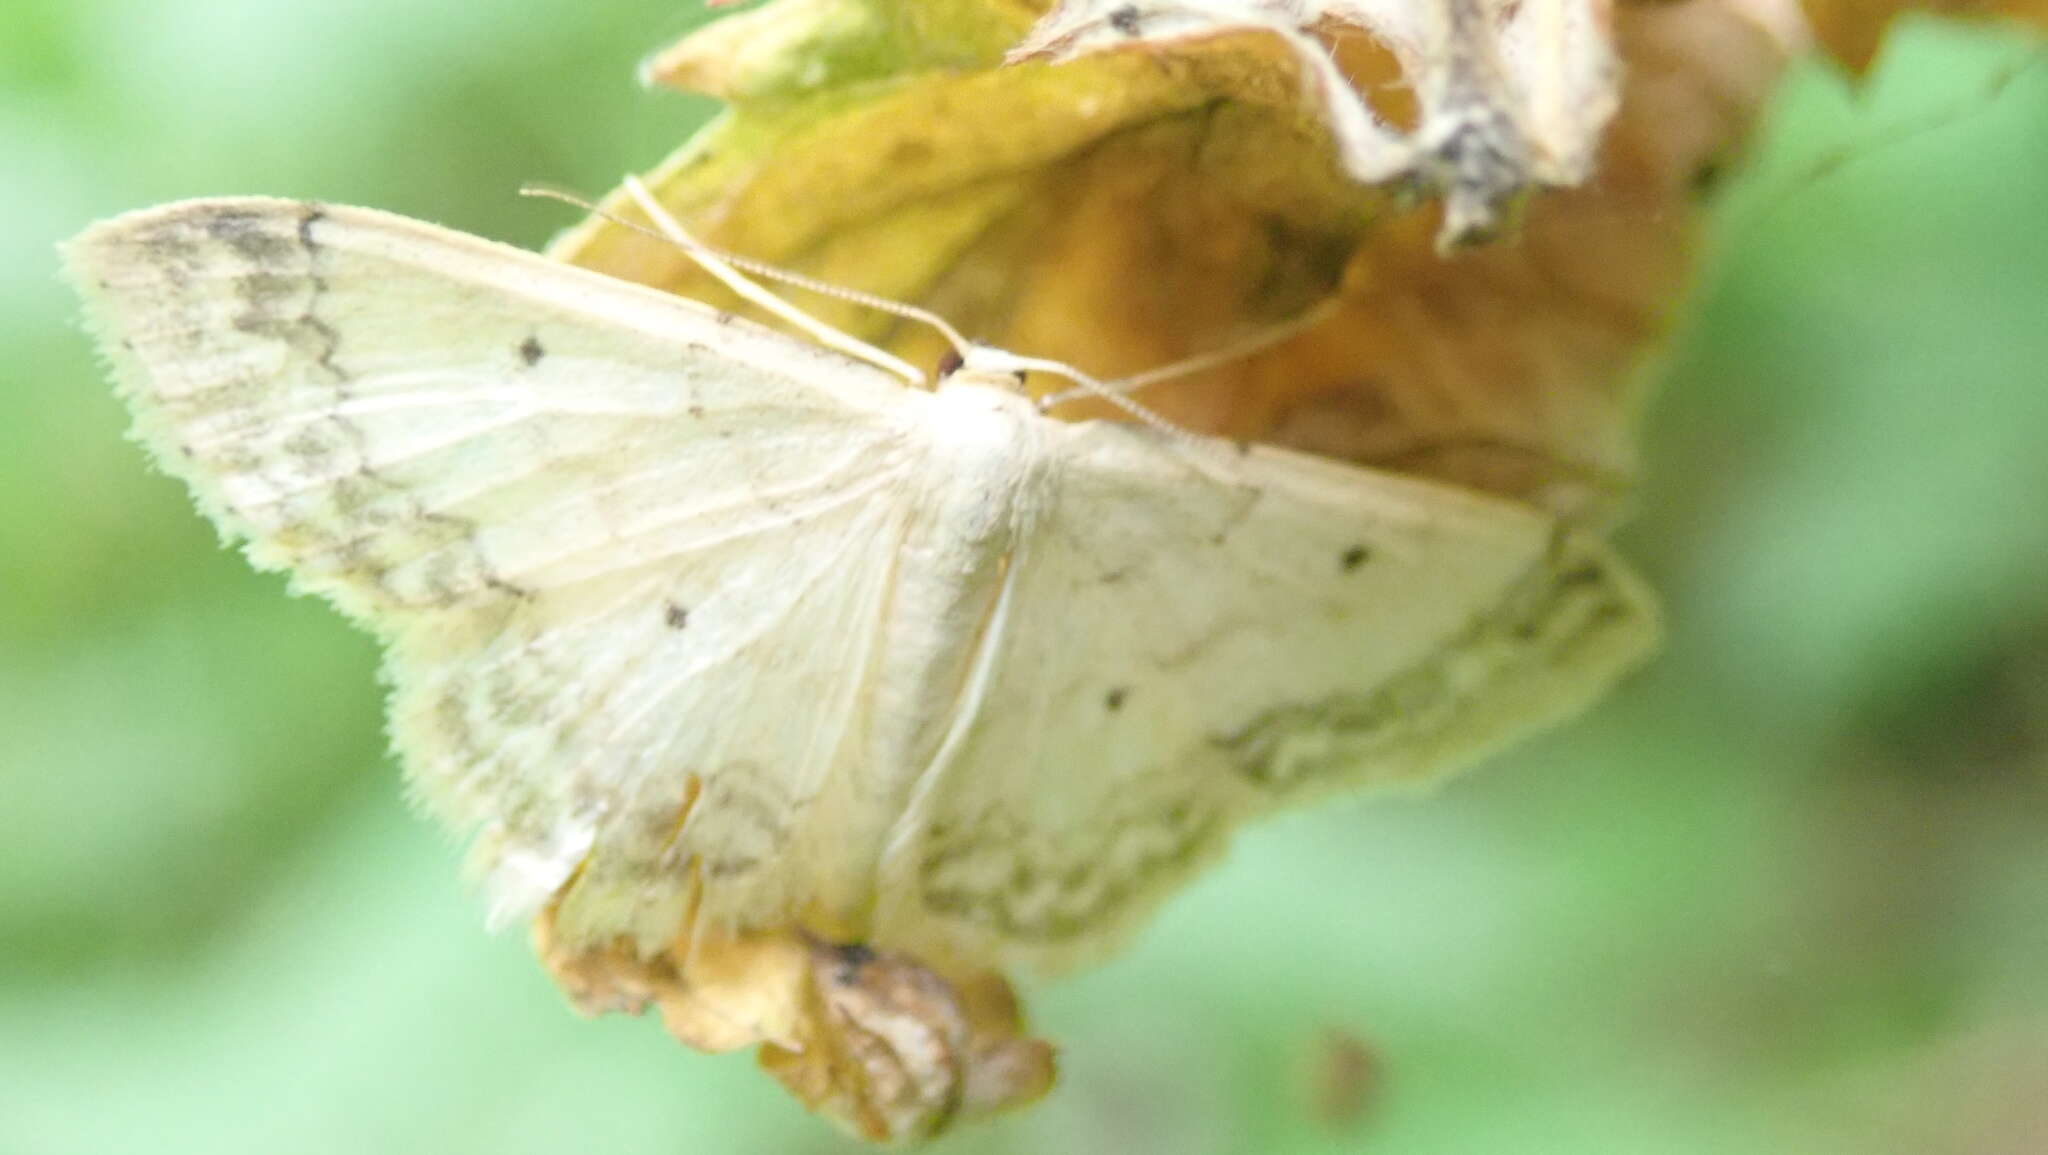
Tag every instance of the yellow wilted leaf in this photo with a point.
(1124, 209)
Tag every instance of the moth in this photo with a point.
(701, 629)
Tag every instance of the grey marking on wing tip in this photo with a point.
(267, 287)
(310, 213)
(245, 231)
(169, 249)
(282, 290)
(675, 616)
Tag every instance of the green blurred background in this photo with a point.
(1787, 892)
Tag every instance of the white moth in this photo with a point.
(702, 628)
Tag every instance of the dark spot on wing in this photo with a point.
(1354, 557)
(1114, 700)
(530, 351)
(1124, 19)
(696, 411)
(723, 317)
(676, 616)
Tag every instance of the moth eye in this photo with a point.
(950, 362)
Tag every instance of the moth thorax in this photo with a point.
(988, 412)
(987, 454)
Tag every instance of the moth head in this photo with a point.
(973, 363)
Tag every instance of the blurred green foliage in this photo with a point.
(1788, 892)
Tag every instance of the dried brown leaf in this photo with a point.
(876, 1042)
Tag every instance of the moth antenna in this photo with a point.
(1190, 449)
(1264, 338)
(715, 264)
(726, 270)
(732, 269)
(699, 250)
(961, 345)
(967, 351)
(1000, 360)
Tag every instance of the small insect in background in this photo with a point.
(1342, 1079)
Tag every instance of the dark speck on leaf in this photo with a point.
(1354, 557)
(1114, 700)
(852, 957)
(1708, 177)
